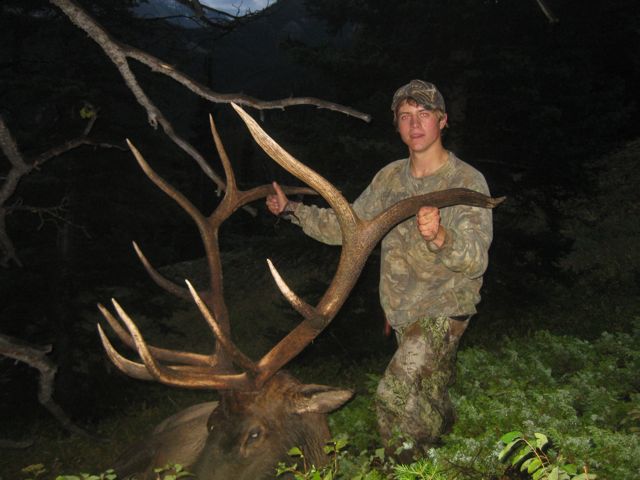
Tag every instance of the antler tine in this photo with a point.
(208, 228)
(234, 352)
(177, 376)
(239, 197)
(205, 379)
(330, 193)
(300, 306)
(154, 368)
(160, 280)
(115, 326)
(126, 366)
(167, 188)
(232, 200)
(224, 158)
(186, 358)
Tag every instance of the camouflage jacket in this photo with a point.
(418, 280)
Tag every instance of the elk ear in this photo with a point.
(320, 398)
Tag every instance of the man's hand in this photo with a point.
(276, 203)
(428, 220)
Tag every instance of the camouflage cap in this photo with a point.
(424, 93)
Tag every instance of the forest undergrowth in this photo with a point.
(580, 391)
(583, 395)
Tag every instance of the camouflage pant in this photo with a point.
(412, 400)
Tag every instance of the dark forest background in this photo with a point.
(547, 110)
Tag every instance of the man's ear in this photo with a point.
(443, 121)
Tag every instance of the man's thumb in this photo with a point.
(279, 191)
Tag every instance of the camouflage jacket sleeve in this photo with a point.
(469, 229)
(322, 224)
(469, 235)
(318, 223)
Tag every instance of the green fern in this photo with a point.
(421, 470)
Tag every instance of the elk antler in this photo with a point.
(359, 237)
(185, 368)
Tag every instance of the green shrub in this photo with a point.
(583, 395)
(577, 392)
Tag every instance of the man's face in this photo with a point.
(418, 127)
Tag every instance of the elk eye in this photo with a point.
(253, 435)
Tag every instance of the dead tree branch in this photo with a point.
(21, 167)
(119, 54)
(547, 11)
(158, 66)
(36, 356)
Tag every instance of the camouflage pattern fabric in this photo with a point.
(418, 280)
(424, 93)
(412, 399)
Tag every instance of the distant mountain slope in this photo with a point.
(252, 59)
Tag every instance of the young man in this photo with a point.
(431, 266)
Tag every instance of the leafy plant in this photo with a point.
(108, 475)
(311, 472)
(535, 457)
(168, 472)
(172, 472)
(34, 471)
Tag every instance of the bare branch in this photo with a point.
(21, 167)
(159, 66)
(547, 11)
(119, 53)
(56, 214)
(36, 356)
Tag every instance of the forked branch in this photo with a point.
(22, 166)
(120, 53)
(36, 356)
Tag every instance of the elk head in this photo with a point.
(262, 412)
